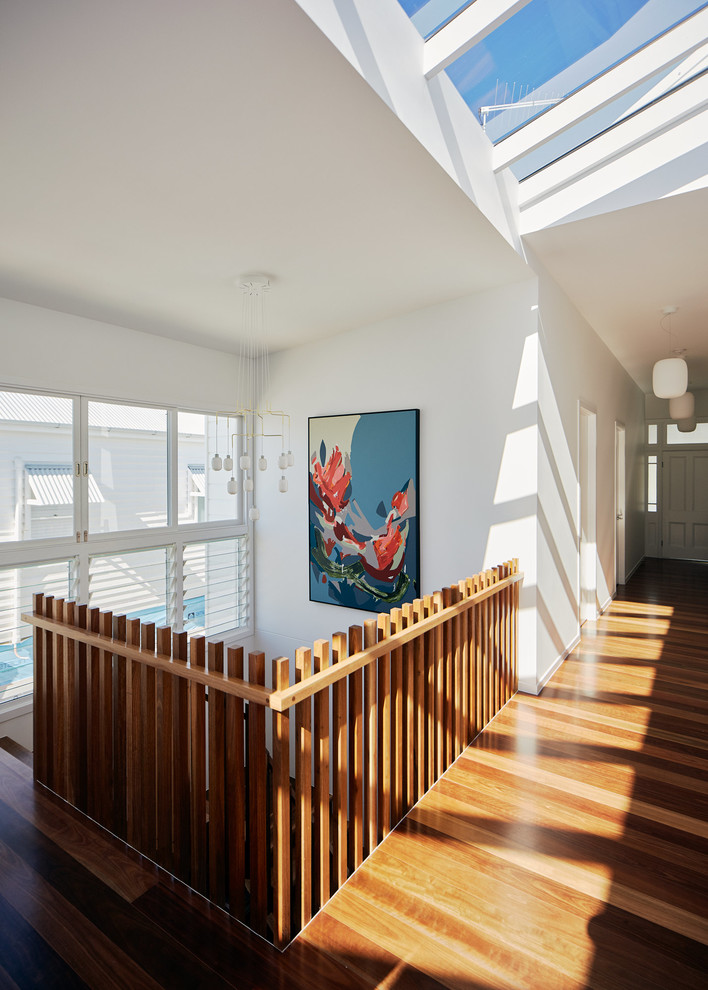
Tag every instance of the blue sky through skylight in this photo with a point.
(547, 50)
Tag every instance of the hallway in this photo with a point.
(566, 848)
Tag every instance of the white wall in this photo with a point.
(45, 349)
(575, 367)
(382, 44)
(459, 363)
(498, 378)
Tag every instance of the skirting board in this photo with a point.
(634, 569)
(536, 687)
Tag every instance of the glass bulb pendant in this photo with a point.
(262, 463)
(291, 459)
(283, 484)
(231, 486)
(245, 462)
(283, 461)
(248, 484)
(254, 512)
(216, 462)
(228, 463)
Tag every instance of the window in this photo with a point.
(127, 454)
(652, 433)
(202, 494)
(215, 586)
(652, 473)
(37, 475)
(675, 437)
(136, 584)
(18, 585)
(120, 495)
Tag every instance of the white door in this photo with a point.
(685, 504)
(588, 515)
(619, 504)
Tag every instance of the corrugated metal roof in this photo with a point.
(196, 473)
(53, 484)
(113, 416)
(25, 407)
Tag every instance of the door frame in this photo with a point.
(587, 513)
(620, 503)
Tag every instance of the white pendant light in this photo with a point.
(283, 484)
(670, 378)
(254, 419)
(670, 375)
(254, 513)
(687, 425)
(682, 406)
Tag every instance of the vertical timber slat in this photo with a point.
(236, 802)
(370, 740)
(257, 785)
(134, 743)
(281, 811)
(356, 754)
(217, 780)
(149, 817)
(164, 720)
(383, 674)
(120, 730)
(82, 751)
(322, 765)
(303, 787)
(197, 761)
(180, 756)
(339, 749)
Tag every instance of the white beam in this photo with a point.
(677, 43)
(662, 132)
(464, 31)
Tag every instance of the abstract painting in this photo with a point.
(363, 509)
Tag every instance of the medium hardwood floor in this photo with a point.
(566, 848)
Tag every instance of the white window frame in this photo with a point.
(83, 544)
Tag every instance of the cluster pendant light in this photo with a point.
(253, 421)
(670, 381)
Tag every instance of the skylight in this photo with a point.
(531, 56)
(430, 15)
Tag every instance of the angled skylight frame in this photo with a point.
(676, 43)
(464, 31)
(669, 125)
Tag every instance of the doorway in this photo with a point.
(588, 514)
(619, 504)
(685, 504)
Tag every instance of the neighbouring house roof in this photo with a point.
(53, 484)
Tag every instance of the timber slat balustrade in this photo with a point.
(181, 749)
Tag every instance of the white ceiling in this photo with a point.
(154, 150)
(621, 269)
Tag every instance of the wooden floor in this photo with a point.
(567, 847)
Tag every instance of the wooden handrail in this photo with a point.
(124, 733)
(281, 701)
(180, 668)
(277, 700)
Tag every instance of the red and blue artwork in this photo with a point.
(363, 505)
